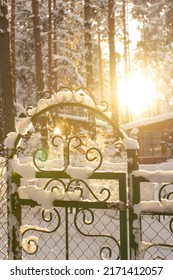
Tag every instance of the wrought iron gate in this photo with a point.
(85, 228)
(65, 201)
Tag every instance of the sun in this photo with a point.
(137, 94)
(57, 131)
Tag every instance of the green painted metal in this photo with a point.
(123, 219)
(133, 198)
(134, 230)
(117, 205)
(67, 233)
(125, 187)
(14, 219)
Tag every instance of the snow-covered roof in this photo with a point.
(147, 121)
(82, 119)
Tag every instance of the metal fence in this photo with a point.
(86, 239)
(103, 223)
(88, 232)
(157, 237)
(83, 229)
(3, 210)
(85, 233)
(153, 217)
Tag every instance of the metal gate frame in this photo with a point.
(125, 204)
(120, 205)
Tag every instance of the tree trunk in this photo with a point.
(39, 69)
(6, 87)
(100, 68)
(50, 44)
(112, 63)
(38, 50)
(13, 45)
(126, 52)
(88, 45)
(89, 59)
(55, 49)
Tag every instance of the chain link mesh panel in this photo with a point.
(3, 211)
(81, 234)
(156, 228)
(157, 236)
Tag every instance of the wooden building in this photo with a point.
(155, 137)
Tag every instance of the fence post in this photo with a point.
(13, 215)
(123, 219)
(133, 196)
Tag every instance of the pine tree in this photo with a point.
(38, 49)
(112, 62)
(13, 44)
(88, 44)
(6, 85)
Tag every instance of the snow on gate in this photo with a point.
(65, 200)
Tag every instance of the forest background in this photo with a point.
(82, 43)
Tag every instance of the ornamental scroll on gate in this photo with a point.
(61, 166)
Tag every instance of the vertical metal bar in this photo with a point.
(132, 161)
(67, 233)
(14, 218)
(123, 219)
(133, 197)
(135, 228)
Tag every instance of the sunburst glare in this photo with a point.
(137, 94)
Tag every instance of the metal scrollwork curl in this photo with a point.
(89, 221)
(163, 193)
(80, 143)
(108, 193)
(54, 186)
(88, 157)
(105, 105)
(55, 138)
(81, 184)
(64, 88)
(85, 219)
(28, 110)
(77, 186)
(103, 253)
(156, 245)
(30, 244)
(171, 225)
(40, 155)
